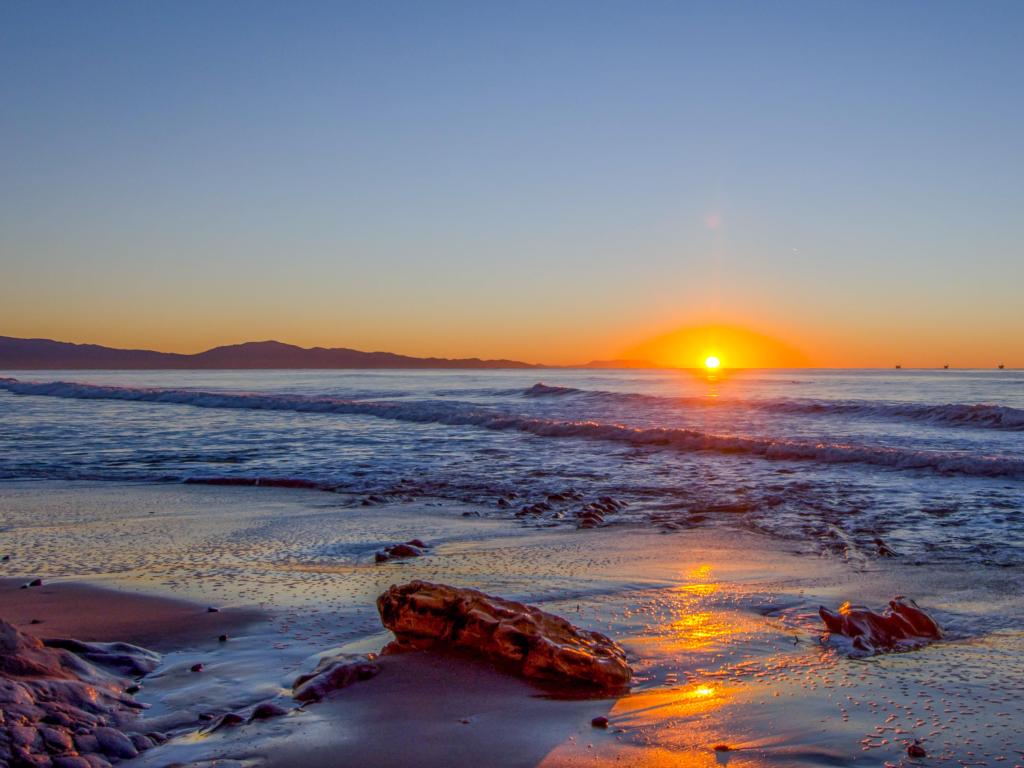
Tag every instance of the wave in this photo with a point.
(980, 415)
(459, 414)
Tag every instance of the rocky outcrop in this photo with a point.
(517, 637)
(900, 627)
(334, 673)
(58, 708)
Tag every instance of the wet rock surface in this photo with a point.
(521, 638)
(411, 548)
(59, 707)
(334, 673)
(902, 626)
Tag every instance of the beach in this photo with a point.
(719, 626)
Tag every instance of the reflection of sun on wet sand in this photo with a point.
(721, 630)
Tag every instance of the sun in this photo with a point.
(711, 362)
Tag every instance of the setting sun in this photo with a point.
(712, 362)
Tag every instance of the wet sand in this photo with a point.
(87, 612)
(720, 627)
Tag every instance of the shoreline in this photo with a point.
(720, 627)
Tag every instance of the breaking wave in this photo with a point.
(981, 415)
(462, 414)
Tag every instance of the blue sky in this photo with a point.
(547, 181)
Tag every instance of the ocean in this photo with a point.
(922, 465)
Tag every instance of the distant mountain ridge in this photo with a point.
(46, 354)
(41, 354)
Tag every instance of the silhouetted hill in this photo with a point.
(41, 354)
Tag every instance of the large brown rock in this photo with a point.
(902, 626)
(522, 638)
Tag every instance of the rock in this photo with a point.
(722, 748)
(140, 741)
(70, 761)
(334, 673)
(916, 750)
(56, 739)
(412, 548)
(599, 722)
(522, 638)
(113, 743)
(211, 609)
(123, 658)
(267, 710)
(197, 667)
(228, 720)
(36, 583)
(902, 626)
(131, 690)
(222, 639)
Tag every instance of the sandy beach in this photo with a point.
(720, 627)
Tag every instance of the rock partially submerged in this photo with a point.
(522, 638)
(411, 548)
(900, 627)
(334, 673)
(58, 708)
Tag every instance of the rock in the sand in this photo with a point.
(124, 658)
(916, 750)
(537, 645)
(599, 722)
(267, 710)
(334, 673)
(902, 626)
(227, 721)
(59, 708)
(197, 667)
(412, 548)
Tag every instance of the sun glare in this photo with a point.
(711, 362)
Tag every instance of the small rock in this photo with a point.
(916, 750)
(36, 621)
(206, 717)
(36, 583)
(197, 667)
(599, 722)
(113, 743)
(722, 748)
(211, 609)
(140, 742)
(133, 689)
(222, 639)
(267, 710)
(227, 721)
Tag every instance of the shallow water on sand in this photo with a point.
(720, 626)
(930, 462)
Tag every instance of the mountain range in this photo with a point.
(46, 354)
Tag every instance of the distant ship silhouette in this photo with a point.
(1001, 366)
(946, 366)
(898, 366)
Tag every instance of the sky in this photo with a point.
(551, 182)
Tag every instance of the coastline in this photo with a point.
(719, 625)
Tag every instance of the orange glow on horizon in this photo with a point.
(708, 345)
